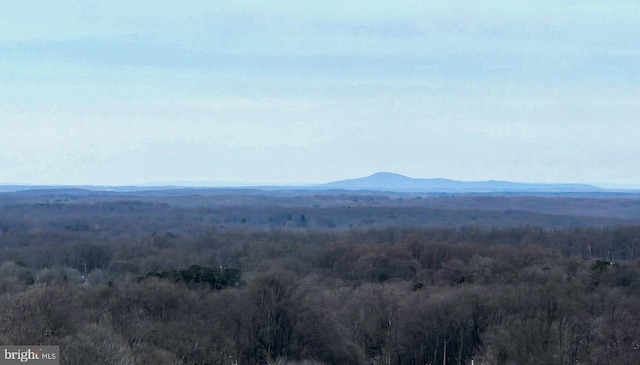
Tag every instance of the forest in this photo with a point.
(340, 278)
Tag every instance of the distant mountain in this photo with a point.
(387, 181)
(378, 182)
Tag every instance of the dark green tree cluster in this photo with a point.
(214, 279)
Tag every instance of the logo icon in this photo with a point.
(32, 355)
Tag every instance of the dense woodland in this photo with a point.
(144, 281)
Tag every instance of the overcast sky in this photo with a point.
(129, 92)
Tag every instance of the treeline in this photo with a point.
(165, 251)
(392, 296)
(46, 219)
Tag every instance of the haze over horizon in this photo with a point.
(382, 181)
(127, 93)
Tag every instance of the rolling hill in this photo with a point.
(387, 181)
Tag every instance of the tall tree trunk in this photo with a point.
(444, 352)
(461, 345)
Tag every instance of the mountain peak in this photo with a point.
(379, 181)
(387, 175)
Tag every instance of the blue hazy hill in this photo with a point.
(387, 181)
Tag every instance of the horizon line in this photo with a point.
(243, 184)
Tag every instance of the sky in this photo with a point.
(127, 92)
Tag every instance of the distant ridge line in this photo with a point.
(389, 181)
(380, 182)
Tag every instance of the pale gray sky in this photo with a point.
(127, 92)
